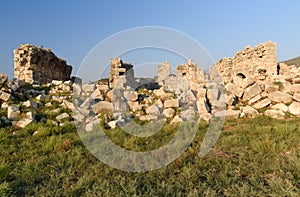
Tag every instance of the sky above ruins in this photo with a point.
(73, 28)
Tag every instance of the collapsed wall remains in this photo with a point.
(34, 64)
(120, 73)
(258, 62)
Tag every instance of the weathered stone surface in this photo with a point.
(171, 103)
(159, 104)
(69, 105)
(190, 95)
(202, 106)
(294, 108)
(188, 114)
(3, 79)
(250, 112)
(131, 95)
(77, 91)
(134, 105)
(121, 74)
(219, 113)
(201, 93)
(213, 94)
(163, 73)
(252, 91)
(286, 86)
(66, 88)
(295, 88)
(102, 106)
(56, 82)
(4, 105)
(296, 97)
(169, 113)
(112, 124)
(232, 114)
(56, 99)
(4, 96)
(262, 104)
(280, 97)
(30, 104)
(234, 89)
(30, 115)
(97, 95)
(39, 64)
(62, 117)
(218, 104)
(88, 88)
(274, 113)
(103, 87)
(153, 110)
(176, 120)
(22, 123)
(254, 99)
(13, 112)
(43, 97)
(206, 117)
(110, 95)
(280, 106)
(145, 117)
(270, 87)
(248, 81)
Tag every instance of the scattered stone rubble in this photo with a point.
(253, 84)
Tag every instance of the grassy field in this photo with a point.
(254, 157)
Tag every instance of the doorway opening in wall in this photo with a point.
(278, 69)
(241, 75)
(183, 74)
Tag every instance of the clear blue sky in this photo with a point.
(72, 28)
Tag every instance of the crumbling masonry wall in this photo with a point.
(163, 73)
(191, 72)
(120, 73)
(187, 76)
(258, 62)
(32, 64)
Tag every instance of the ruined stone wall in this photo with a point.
(163, 72)
(32, 63)
(258, 62)
(191, 72)
(188, 76)
(120, 73)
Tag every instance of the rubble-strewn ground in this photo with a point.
(43, 155)
(253, 157)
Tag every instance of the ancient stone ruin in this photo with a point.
(251, 83)
(34, 64)
(187, 76)
(120, 73)
(258, 62)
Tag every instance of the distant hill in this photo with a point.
(294, 61)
